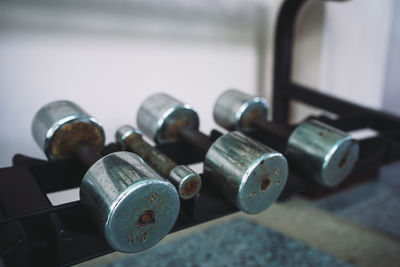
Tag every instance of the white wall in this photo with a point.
(109, 78)
(340, 48)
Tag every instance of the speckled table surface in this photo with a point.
(243, 242)
(237, 243)
(375, 204)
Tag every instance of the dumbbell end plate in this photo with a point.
(161, 116)
(263, 184)
(321, 152)
(58, 126)
(123, 132)
(339, 162)
(189, 181)
(235, 110)
(142, 216)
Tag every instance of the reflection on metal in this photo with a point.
(58, 126)
(325, 153)
(187, 182)
(161, 116)
(133, 205)
(246, 172)
(235, 110)
(317, 150)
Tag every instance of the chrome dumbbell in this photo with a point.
(133, 206)
(246, 172)
(315, 149)
(187, 181)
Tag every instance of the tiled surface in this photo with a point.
(240, 242)
(375, 205)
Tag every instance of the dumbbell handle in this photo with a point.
(86, 154)
(155, 158)
(196, 138)
(272, 128)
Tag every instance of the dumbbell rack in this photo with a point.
(35, 233)
(375, 151)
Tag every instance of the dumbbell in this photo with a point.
(246, 172)
(133, 206)
(187, 181)
(313, 148)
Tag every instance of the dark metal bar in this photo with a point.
(19, 192)
(272, 129)
(197, 139)
(339, 106)
(284, 39)
(86, 154)
(153, 156)
(347, 123)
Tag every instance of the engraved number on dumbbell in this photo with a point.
(132, 237)
(154, 197)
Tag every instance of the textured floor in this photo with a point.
(238, 243)
(375, 205)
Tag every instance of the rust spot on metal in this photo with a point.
(143, 238)
(344, 159)
(265, 183)
(247, 122)
(70, 134)
(190, 188)
(173, 128)
(253, 194)
(146, 218)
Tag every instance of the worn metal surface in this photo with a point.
(187, 181)
(58, 126)
(124, 131)
(321, 152)
(133, 205)
(131, 139)
(246, 172)
(161, 116)
(317, 150)
(235, 110)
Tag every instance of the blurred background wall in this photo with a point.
(109, 56)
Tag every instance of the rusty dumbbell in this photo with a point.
(246, 172)
(133, 206)
(315, 149)
(186, 181)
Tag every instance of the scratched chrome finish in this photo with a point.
(248, 173)
(133, 205)
(322, 152)
(188, 181)
(235, 110)
(53, 116)
(160, 116)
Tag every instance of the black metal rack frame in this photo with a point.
(33, 232)
(382, 148)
